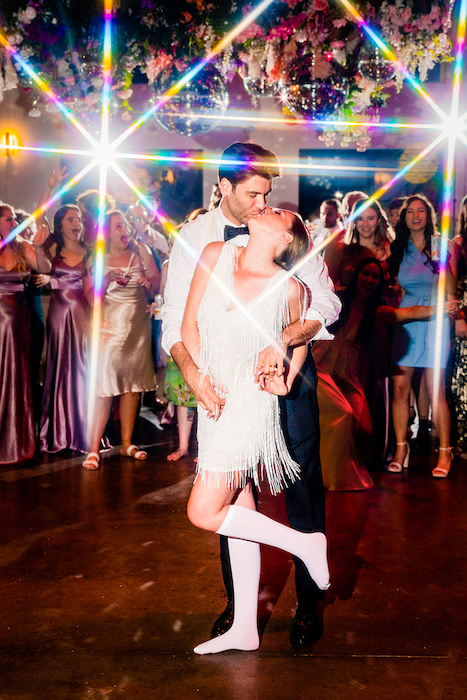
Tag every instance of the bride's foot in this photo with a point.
(401, 458)
(444, 463)
(317, 561)
(242, 640)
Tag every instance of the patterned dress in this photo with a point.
(459, 367)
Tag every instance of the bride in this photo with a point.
(240, 300)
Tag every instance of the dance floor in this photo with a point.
(105, 589)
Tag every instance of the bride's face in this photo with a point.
(274, 223)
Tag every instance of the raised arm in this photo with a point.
(281, 384)
(54, 180)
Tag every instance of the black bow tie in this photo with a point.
(233, 231)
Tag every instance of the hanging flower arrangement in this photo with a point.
(311, 54)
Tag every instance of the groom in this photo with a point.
(246, 174)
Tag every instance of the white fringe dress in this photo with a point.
(246, 442)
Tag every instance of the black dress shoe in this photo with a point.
(306, 628)
(224, 621)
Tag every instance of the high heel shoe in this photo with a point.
(396, 467)
(442, 472)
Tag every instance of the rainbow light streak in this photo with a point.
(100, 238)
(300, 165)
(45, 88)
(150, 205)
(50, 150)
(392, 57)
(41, 210)
(301, 121)
(447, 201)
(246, 21)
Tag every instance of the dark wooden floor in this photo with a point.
(105, 588)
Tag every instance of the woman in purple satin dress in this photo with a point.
(17, 435)
(63, 420)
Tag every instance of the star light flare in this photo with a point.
(105, 160)
(453, 135)
(104, 154)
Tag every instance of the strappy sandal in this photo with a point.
(134, 452)
(397, 467)
(442, 472)
(92, 461)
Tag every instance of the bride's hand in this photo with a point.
(274, 385)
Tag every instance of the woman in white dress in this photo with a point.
(240, 300)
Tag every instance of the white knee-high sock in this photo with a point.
(245, 561)
(310, 547)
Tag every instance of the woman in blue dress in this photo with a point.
(414, 343)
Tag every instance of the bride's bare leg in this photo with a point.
(208, 505)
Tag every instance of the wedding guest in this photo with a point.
(368, 234)
(63, 421)
(348, 202)
(36, 313)
(139, 219)
(17, 258)
(395, 207)
(352, 386)
(414, 346)
(126, 366)
(329, 221)
(458, 262)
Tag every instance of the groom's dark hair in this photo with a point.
(240, 161)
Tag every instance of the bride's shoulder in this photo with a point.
(211, 253)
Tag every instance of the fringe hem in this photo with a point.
(234, 479)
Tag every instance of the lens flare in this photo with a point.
(98, 276)
(104, 155)
(247, 20)
(447, 203)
